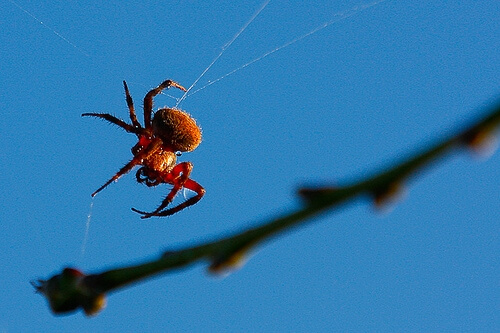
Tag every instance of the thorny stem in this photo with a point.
(72, 289)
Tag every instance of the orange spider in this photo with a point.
(170, 131)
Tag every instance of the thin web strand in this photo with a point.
(87, 228)
(224, 48)
(337, 17)
(130, 83)
(51, 29)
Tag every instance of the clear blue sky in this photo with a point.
(334, 106)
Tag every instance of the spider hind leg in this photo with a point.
(130, 104)
(118, 122)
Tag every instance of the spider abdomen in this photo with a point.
(177, 128)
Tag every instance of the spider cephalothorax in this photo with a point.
(170, 131)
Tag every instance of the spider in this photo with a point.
(170, 132)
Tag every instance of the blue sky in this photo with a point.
(332, 107)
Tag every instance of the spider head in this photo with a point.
(177, 129)
(158, 164)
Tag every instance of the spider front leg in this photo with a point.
(143, 177)
(191, 185)
(179, 177)
(145, 153)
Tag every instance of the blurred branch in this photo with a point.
(72, 289)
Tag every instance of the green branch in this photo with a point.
(72, 289)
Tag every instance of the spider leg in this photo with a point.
(148, 99)
(112, 119)
(189, 184)
(179, 181)
(130, 104)
(143, 178)
(155, 144)
(177, 177)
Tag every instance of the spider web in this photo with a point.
(337, 17)
(79, 49)
(87, 227)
